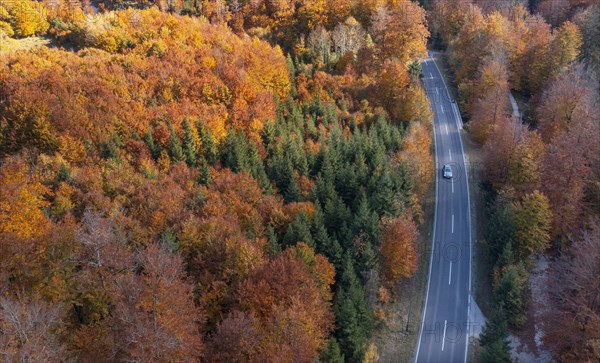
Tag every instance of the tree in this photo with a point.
(501, 227)
(299, 231)
(575, 150)
(398, 256)
(154, 313)
(555, 11)
(532, 218)
(571, 98)
(238, 338)
(365, 220)
(524, 168)
(534, 68)
(22, 202)
(29, 331)
(319, 42)
(497, 351)
(353, 315)
(565, 46)
(290, 298)
(508, 293)
(332, 353)
(416, 156)
(400, 32)
(174, 149)
(209, 147)
(154, 149)
(27, 126)
(190, 143)
(497, 153)
(348, 36)
(491, 108)
(588, 22)
(27, 18)
(574, 292)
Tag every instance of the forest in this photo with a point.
(219, 181)
(207, 181)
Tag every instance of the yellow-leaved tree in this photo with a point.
(21, 201)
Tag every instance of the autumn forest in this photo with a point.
(225, 181)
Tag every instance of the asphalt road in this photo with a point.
(445, 328)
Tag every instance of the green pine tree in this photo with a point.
(273, 247)
(205, 177)
(154, 149)
(175, 150)
(509, 296)
(189, 144)
(365, 220)
(299, 231)
(209, 146)
(332, 353)
(234, 152)
(353, 314)
(383, 194)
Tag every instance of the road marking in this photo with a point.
(450, 152)
(450, 276)
(453, 223)
(442, 106)
(446, 125)
(437, 92)
(430, 75)
(452, 187)
(444, 338)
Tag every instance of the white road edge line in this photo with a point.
(432, 248)
(444, 338)
(450, 275)
(450, 152)
(468, 223)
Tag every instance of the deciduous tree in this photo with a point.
(398, 256)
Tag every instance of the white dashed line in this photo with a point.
(444, 338)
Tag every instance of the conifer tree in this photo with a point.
(234, 152)
(273, 247)
(494, 340)
(205, 177)
(175, 150)
(353, 314)
(154, 150)
(509, 296)
(189, 144)
(331, 353)
(209, 147)
(299, 231)
(365, 220)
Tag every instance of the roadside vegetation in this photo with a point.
(540, 177)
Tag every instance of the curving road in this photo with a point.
(445, 326)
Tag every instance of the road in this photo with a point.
(445, 326)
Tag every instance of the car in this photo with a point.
(447, 171)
